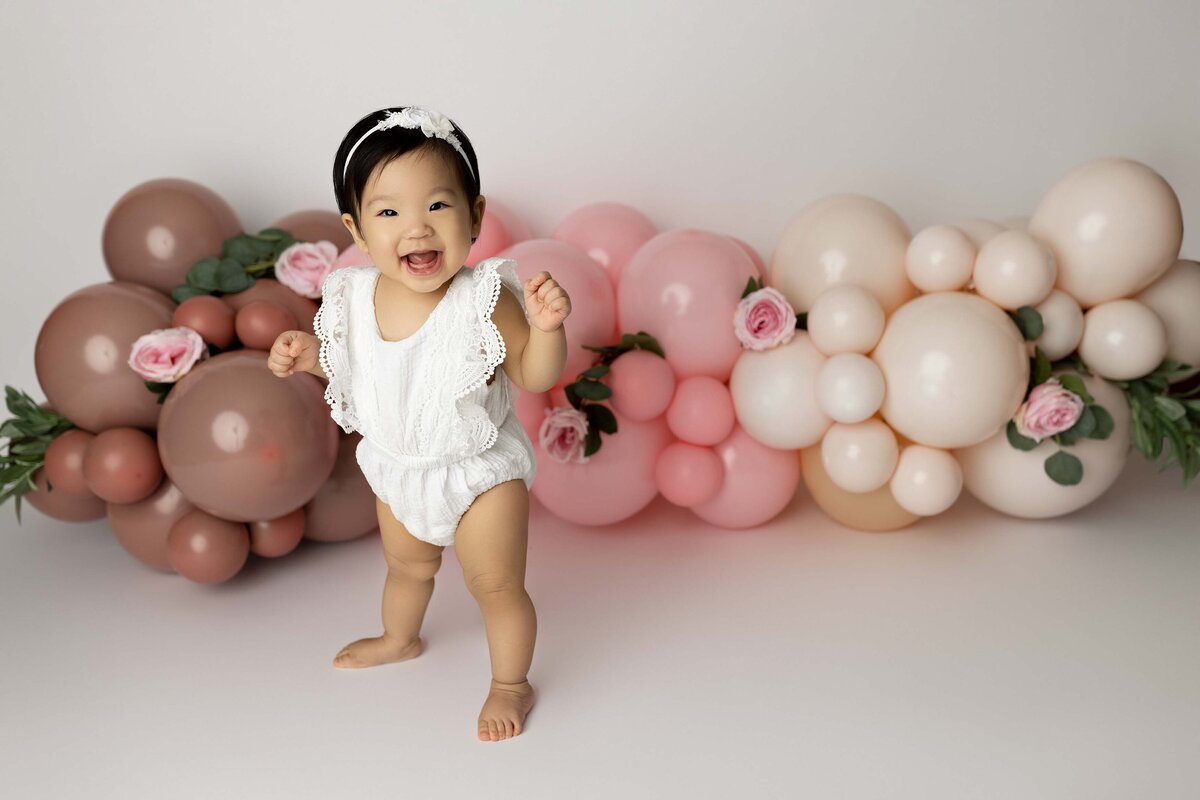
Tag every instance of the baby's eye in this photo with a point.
(385, 211)
(438, 203)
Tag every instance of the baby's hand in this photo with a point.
(546, 303)
(293, 351)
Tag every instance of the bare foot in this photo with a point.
(376, 651)
(503, 714)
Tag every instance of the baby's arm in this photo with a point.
(295, 350)
(534, 358)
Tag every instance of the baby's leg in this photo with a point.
(491, 543)
(412, 564)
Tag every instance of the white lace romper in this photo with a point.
(435, 434)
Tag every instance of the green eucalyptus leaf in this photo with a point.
(592, 390)
(1029, 321)
(1016, 439)
(596, 372)
(232, 277)
(1064, 468)
(1074, 383)
(203, 274)
(572, 396)
(592, 442)
(1042, 368)
(1104, 422)
(601, 417)
(184, 292)
(1171, 408)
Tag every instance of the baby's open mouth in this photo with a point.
(423, 262)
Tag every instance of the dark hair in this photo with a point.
(382, 147)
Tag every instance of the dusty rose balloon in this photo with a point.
(1016, 483)
(845, 319)
(864, 511)
(344, 507)
(259, 324)
(1175, 298)
(927, 480)
(940, 258)
(1114, 226)
(277, 537)
(142, 527)
(268, 290)
(688, 474)
(1122, 339)
(642, 384)
(955, 367)
(593, 312)
(353, 256)
(207, 316)
(859, 457)
(773, 394)
(159, 229)
(82, 355)
(754, 256)
(207, 549)
(702, 411)
(315, 225)
(614, 484)
(63, 506)
(759, 483)
(1062, 326)
(841, 239)
(501, 229)
(1014, 270)
(121, 465)
(683, 287)
(980, 231)
(849, 387)
(64, 462)
(608, 232)
(243, 444)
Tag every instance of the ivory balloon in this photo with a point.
(1175, 298)
(773, 394)
(1122, 339)
(849, 387)
(1114, 226)
(845, 319)
(940, 259)
(927, 480)
(979, 231)
(864, 511)
(1014, 270)
(1062, 321)
(859, 457)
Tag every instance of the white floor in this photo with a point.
(971, 656)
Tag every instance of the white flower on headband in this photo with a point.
(431, 123)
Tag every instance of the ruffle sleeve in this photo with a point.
(330, 326)
(488, 278)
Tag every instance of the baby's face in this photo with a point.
(416, 222)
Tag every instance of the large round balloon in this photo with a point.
(1175, 297)
(344, 507)
(608, 232)
(1015, 481)
(315, 225)
(82, 355)
(243, 444)
(501, 229)
(845, 238)
(864, 511)
(759, 483)
(683, 287)
(773, 394)
(142, 527)
(269, 290)
(1114, 225)
(63, 506)
(160, 228)
(955, 367)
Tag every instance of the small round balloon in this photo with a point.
(277, 537)
(1062, 325)
(859, 457)
(864, 511)
(62, 506)
(849, 388)
(688, 474)
(1122, 339)
(927, 480)
(642, 384)
(207, 316)
(1175, 297)
(268, 290)
(845, 319)
(702, 411)
(207, 549)
(121, 465)
(940, 259)
(142, 528)
(64, 462)
(1014, 270)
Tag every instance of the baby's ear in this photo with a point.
(477, 217)
(348, 221)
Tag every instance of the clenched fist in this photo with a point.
(293, 351)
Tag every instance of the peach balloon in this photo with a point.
(1114, 226)
(773, 394)
(940, 259)
(1122, 339)
(702, 411)
(608, 232)
(849, 387)
(62, 506)
(759, 483)
(344, 507)
(64, 462)
(258, 324)
(859, 457)
(501, 229)
(927, 481)
(142, 527)
(207, 316)
(1175, 298)
(1062, 321)
(864, 511)
(1015, 482)
(315, 225)
(688, 474)
(955, 368)
(980, 231)
(841, 239)
(277, 537)
(121, 465)
(642, 384)
(845, 319)
(207, 549)
(1014, 270)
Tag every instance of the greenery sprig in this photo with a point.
(587, 392)
(244, 258)
(30, 431)
(1162, 414)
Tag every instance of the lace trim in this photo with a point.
(334, 353)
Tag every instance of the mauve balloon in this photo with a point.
(315, 225)
(63, 506)
(142, 527)
(277, 537)
(64, 462)
(207, 549)
(243, 444)
(160, 228)
(121, 465)
(272, 291)
(259, 324)
(82, 355)
(344, 507)
(207, 316)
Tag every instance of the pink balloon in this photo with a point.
(702, 411)
(608, 232)
(592, 311)
(688, 475)
(759, 482)
(352, 256)
(501, 229)
(682, 287)
(642, 384)
(759, 264)
(531, 410)
(614, 484)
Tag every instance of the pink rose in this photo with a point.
(764, 319)
(563, 435)
(1050, 409)
(303, 266)
(165, 356)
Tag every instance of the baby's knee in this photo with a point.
(413, 570)
(487, 585)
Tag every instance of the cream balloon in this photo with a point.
(1016, 223)
(955, 368)
(849, 387)
(859, 457)
(927, 480)
(864, 511)
(1014, 270)
(1175, 297)
(1062, 325)
(845, 319)
(980, 231)
(773, 394)
(940, 259)
(844, 238)
(1122, 339)
(1114, 226)
(1015, 482)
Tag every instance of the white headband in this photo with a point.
(429, 121)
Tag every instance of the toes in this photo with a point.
(483, 731)
(508, 729)
(492, 729)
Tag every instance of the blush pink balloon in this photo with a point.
(702, 411)
(530, 408)
(642, 384)
(687, 474)
(759, 264)
(352, 256)
(501, 229)
(759, 482)
(683, 287)
(614, 484)
(608, 232)
(592, 309)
